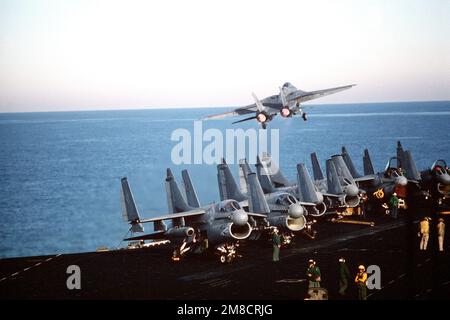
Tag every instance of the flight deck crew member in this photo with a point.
(424, 233)
(344, 275)
(360, 281)
(276, 240)
(441, 233)
(364, 200)
(393, 201)
(313, 274)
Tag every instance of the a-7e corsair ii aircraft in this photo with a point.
(286, 103)
(222, 222)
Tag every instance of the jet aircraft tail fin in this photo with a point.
(264, 177)
(411, 171)
(275, 174)
(368, 167)
(400, 154)
(191, 194)
(131, 212)
(227, 185)
(306, 189)
(257, 202)
(175, 200)
(341, 168)
(317, 171)
(406, 161)
(349, 163)
(333, 182)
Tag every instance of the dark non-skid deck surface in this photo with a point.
(406, 273)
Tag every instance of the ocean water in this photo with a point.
(60, 171)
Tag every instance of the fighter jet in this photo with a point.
(339, 181)
(381, 185)
(286, 103)
(305, 190)
(220, 222)
(282, 210)
(337, 190)
(435, 180)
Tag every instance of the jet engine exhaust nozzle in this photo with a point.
(261, 117)
(285, 112)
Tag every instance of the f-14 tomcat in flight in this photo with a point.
(286, 103)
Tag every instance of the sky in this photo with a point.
(90, 55)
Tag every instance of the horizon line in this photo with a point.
(209, 107)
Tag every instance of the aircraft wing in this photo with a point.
(331, 195)
(236, 112)
(151, 236)
(310, 204)
(365, 178)
(169, 216)
(257, 215)
(306, 96)
(268, 103)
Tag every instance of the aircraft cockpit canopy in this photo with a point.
(230, 206)
(286, 199)
(439, 166)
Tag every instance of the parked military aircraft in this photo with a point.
(380, 185)
(435, 180)
(339, 181)
(338, 189)
(282, 210)
(286, 103)
(220, 222)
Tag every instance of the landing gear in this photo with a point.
(227, 252)
(183, 249)
(304, 116)
(286, 239)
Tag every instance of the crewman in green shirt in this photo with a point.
(393, 201)
(313, 274)
(276, 240)
(344, 275)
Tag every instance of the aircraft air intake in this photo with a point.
(351, 201)
(221, 232)
(286, 222)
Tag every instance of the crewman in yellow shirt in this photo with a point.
(360, 280)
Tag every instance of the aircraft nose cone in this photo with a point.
(444, 179)
(352, 190)
(296, 211)
(239, 217)
(401, 181)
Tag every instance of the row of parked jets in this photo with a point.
(265, 198)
